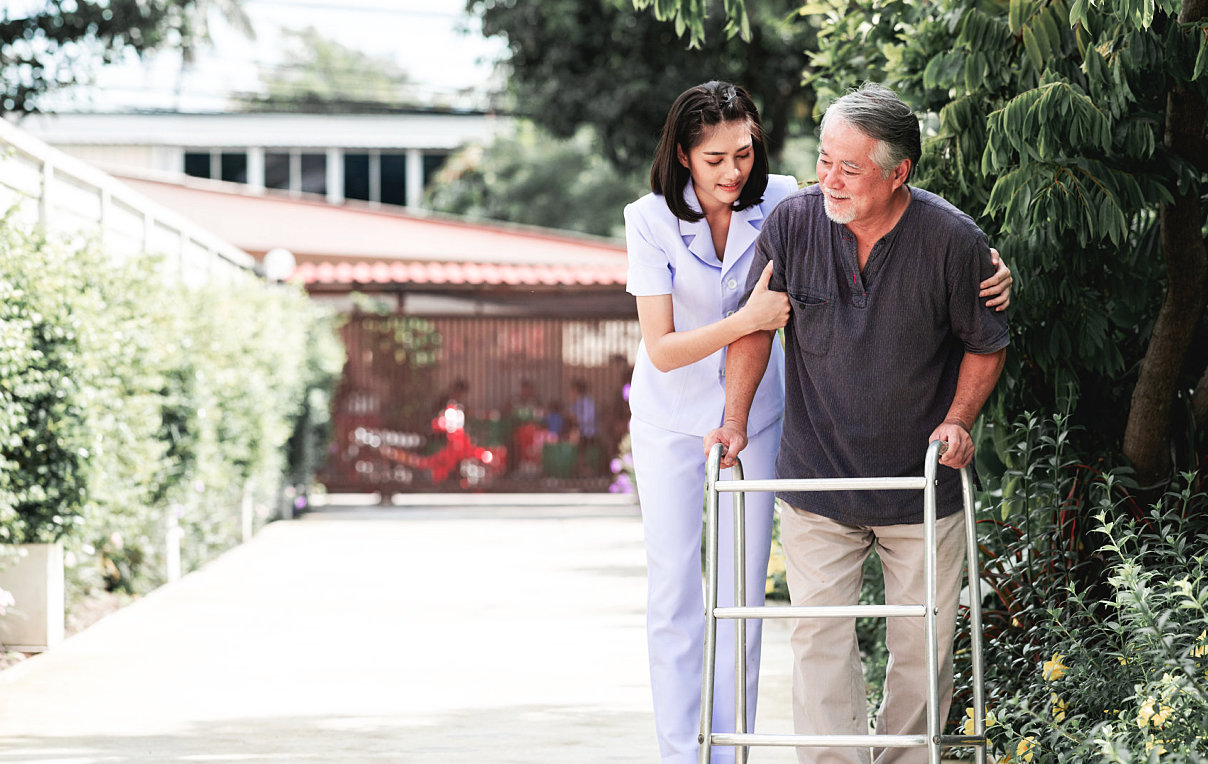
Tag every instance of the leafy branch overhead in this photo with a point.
(606, 65)
(61, 42)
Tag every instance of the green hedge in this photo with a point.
(126, 398)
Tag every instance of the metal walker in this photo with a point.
(743, 740)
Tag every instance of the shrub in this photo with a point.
(1126, 678)
(1095, 610)
(129, 403)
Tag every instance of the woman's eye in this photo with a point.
(714, 164)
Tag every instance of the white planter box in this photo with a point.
(35, 579)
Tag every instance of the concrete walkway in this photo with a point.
(406, 634)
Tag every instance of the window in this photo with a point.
(394, 179)
(197, 164)
(234, 166)
(276, 169)
(432, 165)
(314, 174)
(356, 176)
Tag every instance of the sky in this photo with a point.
(434, 41)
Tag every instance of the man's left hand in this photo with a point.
(960, 445)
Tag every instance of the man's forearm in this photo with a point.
(976, 379)
(746, 362)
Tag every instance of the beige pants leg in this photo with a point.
(824, 564)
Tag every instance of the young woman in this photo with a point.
(690, 243)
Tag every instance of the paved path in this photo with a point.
(406, 634)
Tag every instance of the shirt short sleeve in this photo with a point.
(980, 329)
(649, 270)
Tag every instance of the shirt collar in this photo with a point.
(744, 228)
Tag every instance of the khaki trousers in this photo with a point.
(824, 561)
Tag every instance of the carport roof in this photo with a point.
(354, 243)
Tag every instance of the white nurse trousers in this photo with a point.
(670, 471)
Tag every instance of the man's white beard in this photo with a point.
(842, 218)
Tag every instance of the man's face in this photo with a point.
(853, 188)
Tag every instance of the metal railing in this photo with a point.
(44, 187)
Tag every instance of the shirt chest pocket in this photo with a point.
(813, 320)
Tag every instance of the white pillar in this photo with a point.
(375, 176)
(255, 169)
(415, 177)
(335, 176)
(295, 172)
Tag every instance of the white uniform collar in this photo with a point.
(744, 229)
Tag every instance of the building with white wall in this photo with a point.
(383, 158)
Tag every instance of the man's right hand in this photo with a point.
(732, 438)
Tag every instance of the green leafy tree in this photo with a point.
(61, 43)
(321, 73)
(603, 64)
(528, 177)
(1075, 133)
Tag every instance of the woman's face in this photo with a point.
(720, 164)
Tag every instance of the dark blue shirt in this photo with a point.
(872, 358)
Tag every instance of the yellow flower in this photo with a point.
(1151, 744)
(1201, 647)
(968, 728)
(1058, 707)
(1024, 749)
(1146, 713)
(1054, 669)
(1159, 719)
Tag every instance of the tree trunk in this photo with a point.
(1147, 435)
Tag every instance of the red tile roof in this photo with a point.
(452, 274)
(358, 244)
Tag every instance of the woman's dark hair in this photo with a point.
(696, 111)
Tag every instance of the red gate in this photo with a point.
(480, 403)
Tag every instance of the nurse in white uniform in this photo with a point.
(690, 245)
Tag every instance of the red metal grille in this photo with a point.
(403, 423)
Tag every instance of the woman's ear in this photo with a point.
(681, 156)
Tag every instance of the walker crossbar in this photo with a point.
(927, 610)
(823, 484)
(821, 611)
(843, 741)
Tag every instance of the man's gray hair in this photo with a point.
(876, 111)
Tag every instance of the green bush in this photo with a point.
(1095, 614)
(1124, 679)
(130, 404)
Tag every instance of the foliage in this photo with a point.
(605, 65)
(322, 73)
(1125, 679)
(58, 44)
(1067, 591)
(528, 177)
(129, 405)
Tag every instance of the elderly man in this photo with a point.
(887, 349)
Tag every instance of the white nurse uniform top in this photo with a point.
(672, 256)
